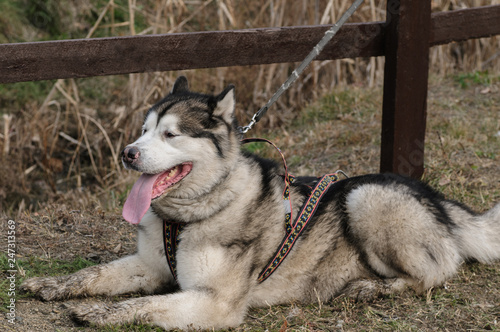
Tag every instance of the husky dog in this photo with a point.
(371, 235)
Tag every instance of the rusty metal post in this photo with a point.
(405, 86)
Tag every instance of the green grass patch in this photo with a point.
(464, 80)
(36, 20)
(16, 96)
(35, 267)
(352, 104)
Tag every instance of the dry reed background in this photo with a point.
(67, 145)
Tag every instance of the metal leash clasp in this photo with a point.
(244, 129)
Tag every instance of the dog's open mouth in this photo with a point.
(170, 177)
(149, 187)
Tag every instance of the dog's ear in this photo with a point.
(225, 104)
(180, 85)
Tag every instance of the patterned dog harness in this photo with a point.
(294, 230)
(171, 230)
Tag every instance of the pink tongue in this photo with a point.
(139, 199)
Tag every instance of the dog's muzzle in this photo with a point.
(130, 155)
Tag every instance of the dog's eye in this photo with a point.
(144, 131)
(168, 134)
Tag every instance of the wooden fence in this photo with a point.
(404, 39)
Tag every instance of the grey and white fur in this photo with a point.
(372, 235)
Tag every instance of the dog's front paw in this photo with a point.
(94, 313)
(48, 289)
(64, 287)
(104, 314)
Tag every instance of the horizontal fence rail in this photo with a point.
(178, 51)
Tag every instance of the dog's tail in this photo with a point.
(478, 236)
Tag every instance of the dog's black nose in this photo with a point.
(130, 154)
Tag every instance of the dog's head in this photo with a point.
(188, 144)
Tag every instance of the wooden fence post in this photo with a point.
(408, 26)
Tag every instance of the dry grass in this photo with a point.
(67, 142)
